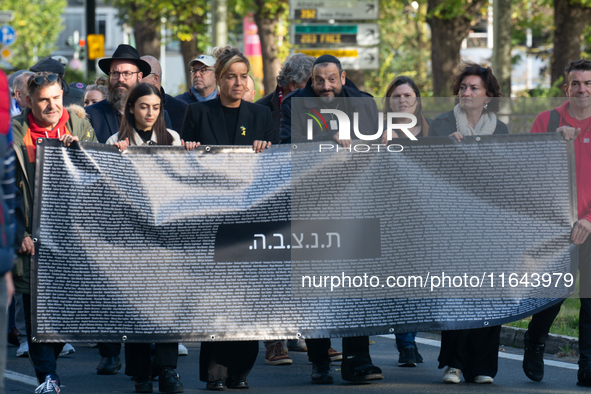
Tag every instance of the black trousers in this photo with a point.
(540, 323)
(42, 355)
(109, 349)
(138, 358)
(318, 348)
(585, 291)
(475, 351)
(231, 360)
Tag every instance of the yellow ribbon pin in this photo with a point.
(243, 130)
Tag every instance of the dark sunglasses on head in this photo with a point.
(51, 78)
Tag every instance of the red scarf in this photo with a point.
(35, 131)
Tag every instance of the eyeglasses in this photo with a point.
(125, 74)
(51, 78)
(201, 70)
(482, 70)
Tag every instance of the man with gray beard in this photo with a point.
(125, 70)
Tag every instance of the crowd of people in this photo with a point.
(130, 107)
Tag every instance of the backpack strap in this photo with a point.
(553, 122)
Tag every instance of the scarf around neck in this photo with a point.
(35, 131)
(486, 125)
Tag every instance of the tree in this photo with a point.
(450, 22)
(38, 25)
(267, 16)
(502, 44)
(404, 47)
(185, 19)
(570, 19)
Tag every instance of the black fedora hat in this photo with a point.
(125, 52)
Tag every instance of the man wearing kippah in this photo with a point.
(328, 82)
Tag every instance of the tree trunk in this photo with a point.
(190, 48)
(502, 44)
(447, 35)
(147, 38)
(189, 52)
(267, 25)
(569, 21)
(357, 77)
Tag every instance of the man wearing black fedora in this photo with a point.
(125, 69)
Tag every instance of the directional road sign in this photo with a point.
(6, 16)
(351, 58)
(335, 34)
(333, 9)
(7, 35)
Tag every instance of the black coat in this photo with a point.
(106, 123)
(445, 124)
(272, 101)
(187, 97)
(204, 123)
(292, 125)
(176, 110)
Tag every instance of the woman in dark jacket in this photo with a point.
(473, 352)
(478, 91)
(229, 120)
(403, 95)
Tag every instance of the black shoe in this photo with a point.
(217, 385)
(237, 384)
(169, 381)
(407, 357)
(142, 384)
(321, 373)
(584, 374)
(358, 368)
(533, 359)
(418, 356)
(109, 366)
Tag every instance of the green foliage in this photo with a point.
(183, 16)
(37, 24)
(404, 47)
(451, 9)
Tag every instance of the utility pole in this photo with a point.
(220, 23)
(90, 29)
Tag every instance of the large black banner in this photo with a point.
(159, 244)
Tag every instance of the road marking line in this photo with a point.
(516, 357)
(19, 377)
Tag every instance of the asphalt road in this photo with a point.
(78, 374)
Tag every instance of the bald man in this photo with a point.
(176, 108)
(249, 92)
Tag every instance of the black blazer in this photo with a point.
(204, 122)
(272, 101)
(106, 123)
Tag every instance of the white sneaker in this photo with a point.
(23, 350)
(48, 387)
(67, 349)
(483, 379)
(183, 350)
(452, 375)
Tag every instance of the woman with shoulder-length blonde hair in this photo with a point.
(229, 120)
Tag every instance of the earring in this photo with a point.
(486, 106)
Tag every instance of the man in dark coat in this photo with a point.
(329, 82)
(176, 108)
(125, 70)
(293, 75)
